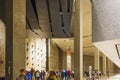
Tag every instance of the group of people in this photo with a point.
(67, 74)
(31, 75)
(52, 76)
(94, 75)
(63, 75)
(42, 75)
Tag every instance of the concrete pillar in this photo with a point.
(104, 64)
(96, 59)
(15, 21)
(78, 43)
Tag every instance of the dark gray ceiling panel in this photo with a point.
(106, 17)
(51, 20)
(31, 15)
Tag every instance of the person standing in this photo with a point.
(52, 76)
(63, 74)
(69, 74)
(37, 75)
(29, 75)
(43, 75)
(22, 75)
(66, 74)
(32, 73)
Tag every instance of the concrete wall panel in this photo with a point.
(106, 17)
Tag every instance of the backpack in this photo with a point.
(29, 76)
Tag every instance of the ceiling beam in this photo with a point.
(36, 13)
(27, 21)
(49, 15)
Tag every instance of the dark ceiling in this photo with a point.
(52, 17)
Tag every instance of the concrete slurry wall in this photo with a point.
(53, 57)
(57, 58)
(2, 49)
(88, 61)
(36, 55)
(62, 60)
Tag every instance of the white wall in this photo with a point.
(2, 49)
(36, 53)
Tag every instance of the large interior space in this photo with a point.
(59, 40)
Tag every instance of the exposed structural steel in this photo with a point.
(53, 18)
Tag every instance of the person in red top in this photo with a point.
(69, 74)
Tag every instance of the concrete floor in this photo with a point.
(114, 77)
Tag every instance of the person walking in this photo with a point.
(32, 71)
(52, 76)
(66, 74)
(69, 74)
(29, 75)
(63, 74)
(43, 75)
(37, 75)
(22, 75)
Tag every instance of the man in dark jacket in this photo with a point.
(22, 75)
